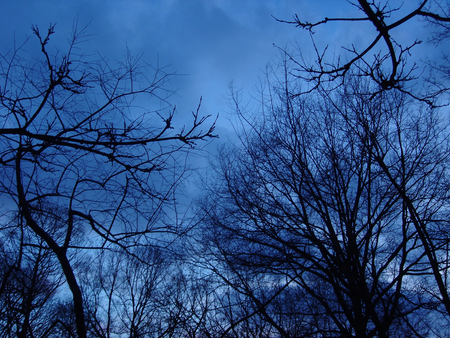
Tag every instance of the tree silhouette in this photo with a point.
(78, 133)
(383, 59)
(337, 198)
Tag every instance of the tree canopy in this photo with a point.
(328, 218)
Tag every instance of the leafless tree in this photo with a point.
(383, 59)
(30, 281)
(340, 199)
(389, 68)
(155, 295)
(124, 294)
(78, 133)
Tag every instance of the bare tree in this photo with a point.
(155, 295)
(383, 58)
(389, 68)
(327, 199)
(124, 294)
(338, 193)
(77, 133)
(30, 282)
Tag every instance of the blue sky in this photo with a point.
(212, 42)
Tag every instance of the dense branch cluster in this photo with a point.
(328, 218)
(337, 204)
(78, 147)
